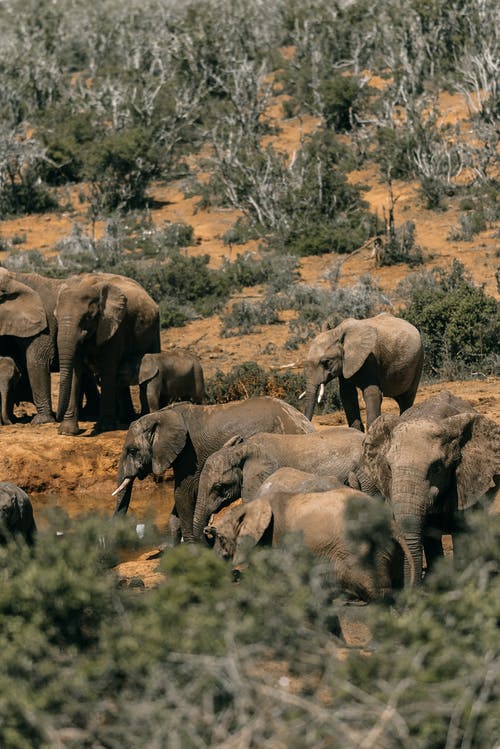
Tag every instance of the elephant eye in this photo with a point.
(436, 468)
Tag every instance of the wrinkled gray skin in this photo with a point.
(165, 378)
(102, 319)
(382, 356)
(182, 436)
(238, 470)
(16, 513)
(9, 376)
(362, 567)
(28, 334)
(433, 463)
(292, 480)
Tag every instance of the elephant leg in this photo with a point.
(126, 411)
(69, 424)
(90, 391)
(38, 366)
(349, 398)
(107, 411)
(372, 396)
(174, 531)
(4, 417)
(405, 401)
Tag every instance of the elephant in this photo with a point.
(183, 436)
(164, 378)
(240, 467)
(366, 564)
(28, 334)
(381, 355)
(102, 320)
(293, 480)
(9, 376)
(433, 463)
(16, 513)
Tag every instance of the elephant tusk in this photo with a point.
(118, 489)
(302, 395)
(321, 392)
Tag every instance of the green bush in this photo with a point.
(244, 316)
(459, 323)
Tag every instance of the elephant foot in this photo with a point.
(69, 429)
(105, 426)
(43, 419)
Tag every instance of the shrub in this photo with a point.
(399, 247)
(245, 316)
(249, 379)
(459, 323)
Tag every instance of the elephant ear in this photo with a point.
(168, 440)
(148, 369)
(113, 309)
(359, 342)
(255, 521)
(375, 446)
(478, 439)
(22, 313)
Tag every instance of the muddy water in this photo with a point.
(150, 503)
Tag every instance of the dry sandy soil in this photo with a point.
(79, 473)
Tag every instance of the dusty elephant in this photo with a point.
(293, 480)
(28, 334)
(183, 435)
(433, 463)
(364, 567)
(165, 377)
(16, 513)
(382, 356)
(102, 320)
(9, 376)
(240, 469)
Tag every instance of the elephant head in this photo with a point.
(431, 469)
(240, 528)
(220, 482)
(152, 444)
(22, 313)
(341, 351)
(89, 308)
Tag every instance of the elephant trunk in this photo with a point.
(411, 529)
(201, 517)
(310, 402)
(67, 347)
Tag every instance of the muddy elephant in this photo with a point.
(365, 565)
(382, 356)
(238, 470)
(164, 378)
(9, 376)
(433, 463)
(183, 436)
(293, 480)
(102, 319)
(16, 513)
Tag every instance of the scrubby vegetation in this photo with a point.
(200, 659)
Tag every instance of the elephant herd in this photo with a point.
(417, 473)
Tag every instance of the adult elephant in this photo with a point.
(102, 319)
(165, 378)
(183, 435)
(433, 463)
(366, 568)
(16, 513)
(382, 356)
(28, 332)
(240, 469)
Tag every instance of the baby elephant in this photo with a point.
(16, 513)
(367, 563)
(166, 377)
(9, 376)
